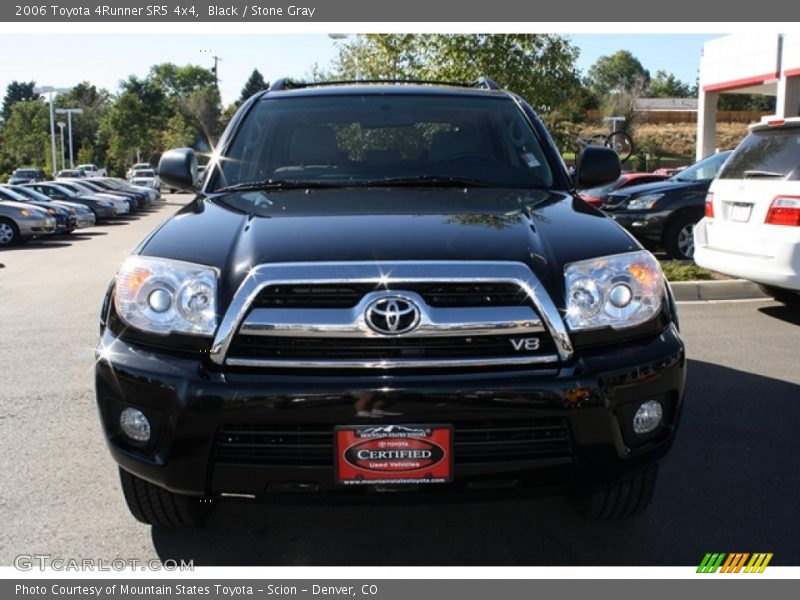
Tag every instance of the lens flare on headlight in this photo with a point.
(616, 291)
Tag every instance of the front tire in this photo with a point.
(679, 237)
(9, 234)
(621, 500)
(153, 505)
(782, 295)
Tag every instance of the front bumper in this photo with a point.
(30, 226)
(85, 220)
(188, 405)
(645, 225)
(770, 256)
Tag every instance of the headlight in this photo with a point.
(164, 296)
(51, 212)
(24, 212)
(617, 291)
(645, 202)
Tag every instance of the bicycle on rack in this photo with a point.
(619, 141)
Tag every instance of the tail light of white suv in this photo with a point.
(784, 210)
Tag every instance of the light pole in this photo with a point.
(49, 89)
(356, 53)
(69, 112)
(217, 59)
(61, 126)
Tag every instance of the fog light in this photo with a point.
(648, 417)
(134, 424)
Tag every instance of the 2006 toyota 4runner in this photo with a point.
(388, 286)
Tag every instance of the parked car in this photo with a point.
(92, 170)
(84, 217)
(152, 194)
(65, 221)
(102, 208)
(146, 178)
(95, 186)
(123, 204)
(144, 196)
(751, 227)
(136, 167)
(670, 171)
(71, 174)
(663, 215)
(596, 196)
(19, 222)
(27, 175)
(503, 333)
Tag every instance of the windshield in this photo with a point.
(359, 139)
(31, 193)
(766, 153)
(705, 170)
(26, 172)
(9, 194)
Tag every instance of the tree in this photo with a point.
(25, 137)
(127, 132)
(666, 85)
(85, 126)
(755, 102)
(254, 84)
(180, 80)
(540, 68)
(617, 73)
(17, 91)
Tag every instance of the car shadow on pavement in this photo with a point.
(788, 314)
(730, 484)
(38, 245)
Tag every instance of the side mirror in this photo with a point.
(597, 165)
(178, 168)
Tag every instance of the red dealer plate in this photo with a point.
(396, 454)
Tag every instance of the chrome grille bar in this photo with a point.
(350, 322)
(394, 273)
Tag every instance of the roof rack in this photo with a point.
(286, 83)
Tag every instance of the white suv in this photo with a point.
(752, 223)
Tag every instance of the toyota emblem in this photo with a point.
(392, 315)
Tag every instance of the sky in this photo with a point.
(104, 60)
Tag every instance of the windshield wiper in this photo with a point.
(280, 184)
(426, 181)
(749, 174)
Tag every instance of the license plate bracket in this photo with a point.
(740, 212)
(393, 454)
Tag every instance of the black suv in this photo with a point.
(388, 286)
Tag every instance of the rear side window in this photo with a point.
(773, 153)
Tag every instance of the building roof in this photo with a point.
(657, 104)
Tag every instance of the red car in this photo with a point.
(596, 196)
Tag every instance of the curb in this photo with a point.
(735, 289)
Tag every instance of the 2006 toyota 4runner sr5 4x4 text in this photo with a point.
(388, 286)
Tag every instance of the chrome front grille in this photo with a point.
(440, 295)
(471, 314)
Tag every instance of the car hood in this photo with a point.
(659, 187)
(79, 208)
(388, 225)
(38, 211)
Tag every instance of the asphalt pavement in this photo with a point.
(730, 483)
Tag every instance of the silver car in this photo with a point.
(19, 222)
